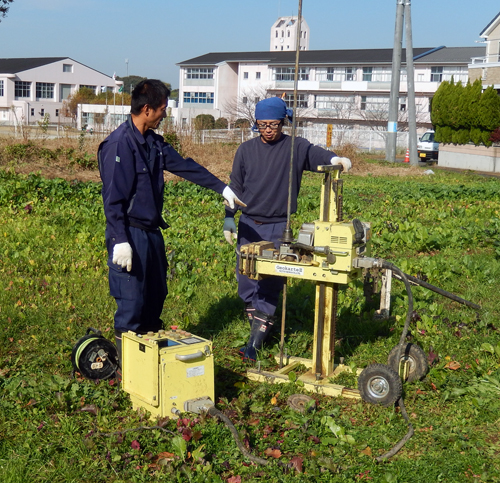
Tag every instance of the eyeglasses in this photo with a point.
(262, 126)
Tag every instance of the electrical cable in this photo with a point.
(213, 411)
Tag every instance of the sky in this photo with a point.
(155, 35)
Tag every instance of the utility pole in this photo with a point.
(392, 124)
(410, 77)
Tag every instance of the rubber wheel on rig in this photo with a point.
(417, 360)
(379, 384)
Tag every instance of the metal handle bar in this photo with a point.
(189, 357)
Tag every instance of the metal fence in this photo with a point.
(364, 140)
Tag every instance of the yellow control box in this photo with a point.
(162, 370)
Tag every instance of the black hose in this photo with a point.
(213, 411)
(406, 437)
(440, 291)
(402, 276)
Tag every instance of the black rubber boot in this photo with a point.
(261, 327)
(249, 312)
(118, 342)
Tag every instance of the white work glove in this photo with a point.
(231, 198)
(122, 255)
(345, 162)
(229, 230)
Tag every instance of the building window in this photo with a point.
(92, 88)
(67, 67)
(436, 74)
(199, 73)
(337, 74)
(384, 74)
(256, 99)
(32, 111)
(244, 100)
(375, 103)
(245, 75)
(276, 34)
(458, 74)
(22, 89)
(44, 90)
(402, 103)
(334, 103)
(289, 33)
(42, 112)
(301, 100)
(1, 88)
(367, 74)
(199, 97)
(257, 75)
(57, 112)
(288, 73)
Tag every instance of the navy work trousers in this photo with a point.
(262, 294)
(140, 293)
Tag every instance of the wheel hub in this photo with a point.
(378, 387)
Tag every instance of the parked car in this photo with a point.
(427, 148)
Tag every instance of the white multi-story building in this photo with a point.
(32, 88)
(487, 67)
(340, 87)
(284, 34)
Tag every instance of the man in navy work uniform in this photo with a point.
(260, 176)
(131, 162)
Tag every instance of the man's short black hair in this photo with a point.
(149, 91)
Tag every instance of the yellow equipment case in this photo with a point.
(162, 370)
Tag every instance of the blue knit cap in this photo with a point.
(272, 108)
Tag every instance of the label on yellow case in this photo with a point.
(289, 270)
(195, 371)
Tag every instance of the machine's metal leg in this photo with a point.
(324, 329)
(283, 318)
(385, 295)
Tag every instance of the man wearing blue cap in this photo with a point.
(260, 176)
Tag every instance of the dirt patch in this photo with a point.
(217, 158)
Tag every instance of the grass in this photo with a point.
(53, 285)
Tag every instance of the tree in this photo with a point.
(203, 122)
(489, 113)
(221, 123)
(244, 106)
(130, 81)
(4, 8)
(84, 95)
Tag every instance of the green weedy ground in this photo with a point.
(53, 285)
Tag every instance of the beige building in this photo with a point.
(487, 67)
(34, 89)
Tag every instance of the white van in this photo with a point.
(427, 148)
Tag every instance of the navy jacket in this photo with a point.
(260, 175)
(131, 167)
